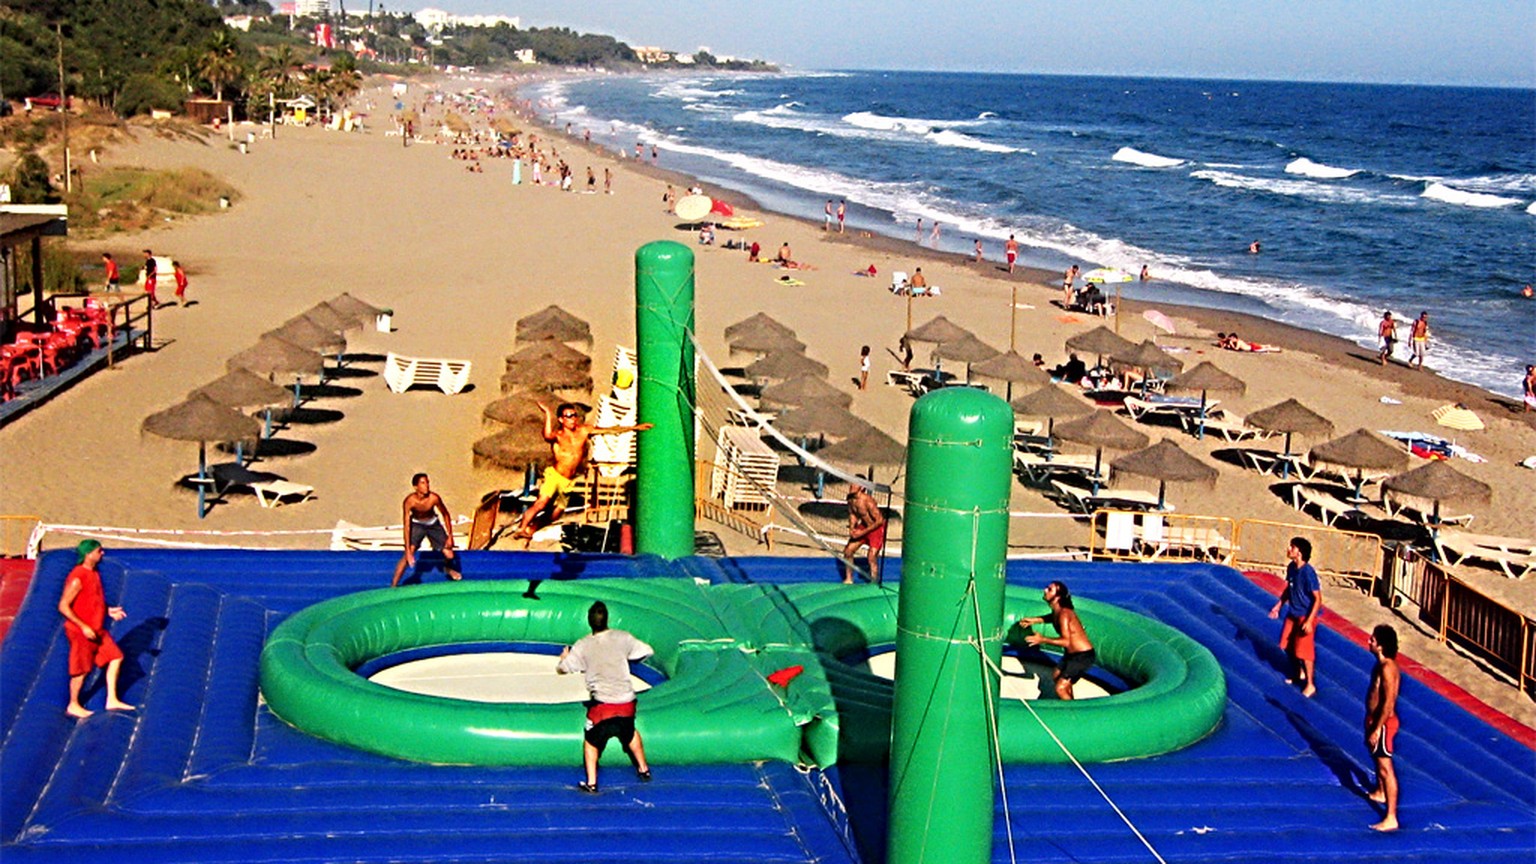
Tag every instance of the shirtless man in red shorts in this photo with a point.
(866, 527)
(85, 610)
(1381, 722)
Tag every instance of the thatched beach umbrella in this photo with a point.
(202, 420)
(1290, 417)
(1012, 367)
(547, 375)
(549, 351)
(1206, 377)
(783, 365)
(307, 334)
(766, 341)
(1101, 430)
(555, 323)
(1148, 358)
(967, 349)
(272, 355)
(346, 304)
(758, 323)
(1361, 450)
(866, 451)
(940, 330)
(1166, 463)
(1436, 482)
(822, 419)
(513, 449)
(804, 390)
(329, 317)
(243, 389)
(1099, 341)
(1050, 402)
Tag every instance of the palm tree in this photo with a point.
(277, 70)
(220, 63)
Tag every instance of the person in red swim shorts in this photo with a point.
(1381, 722)
(85, 610)
(866, 527)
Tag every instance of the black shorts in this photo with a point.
(622, 728)
(432, 532)
(1075, 664)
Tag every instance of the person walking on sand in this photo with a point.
(919, 239)
(568, 437)
(425, 517)
(1381, 722)
(84, 607)
(842, 215)
(826, 219)
(150, 278)
(866, 527)
(1387, 332)
(603, 659)
(864, 368)
(1301, 601)
(978, 250)
(1418, 340)
(1011, 251)
(1529, 385)
(933, 237)
(607, 181)
(1077, 655)
(181, 282)
(114, 278)
(1068, 281)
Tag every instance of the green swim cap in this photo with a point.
(85, 548)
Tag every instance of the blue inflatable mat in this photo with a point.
(202, 772)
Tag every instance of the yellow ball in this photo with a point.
(623, 378)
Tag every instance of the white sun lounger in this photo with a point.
(402, 373)
(1330, 509)
(1141, 409)
(272, 492)
(1514, 555)
(1231, 428)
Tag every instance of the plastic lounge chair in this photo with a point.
(1230, 428)
(1141, 409)
(1330, 509)
(1119, 532)
(1515, 556)
(272, 492)
(898, 282)
(402, 373)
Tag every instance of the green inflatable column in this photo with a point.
(664, 455)
(954, 549)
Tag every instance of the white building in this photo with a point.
(312, 8)
(436, 19)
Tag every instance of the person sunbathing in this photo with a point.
(1231, 342)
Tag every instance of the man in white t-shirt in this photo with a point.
(603, 658)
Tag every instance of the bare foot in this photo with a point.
(118, 705)
(1388, 824)
(1378, 796)
(1309, 692)
(77, 712)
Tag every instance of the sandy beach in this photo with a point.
(460, 256)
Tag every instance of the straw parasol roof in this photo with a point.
(803, 390)
(555, 323)
(1100, 340)
(307, 334)
(1146, 356)
(1165, 461)
(1288, 417)
(518, 409)
(868, 448)
(783, 365)
(512, 449)
(1101, 429)
(765, 341)
(1011, 366)
(331, 318)
(820, 418)
(273, 355)
(346, 304)
(546, 374)
(1205, 377)
(1438, 481)
(201, 419)
(940, 330)
(241, 388)
(966, 349)
(1050, 401)
(549, 351)
(757, 324)
(1362, 449)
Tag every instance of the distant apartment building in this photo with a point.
(312, 8)
(648, 54)
(436, 19)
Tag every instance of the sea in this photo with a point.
(1363, 198)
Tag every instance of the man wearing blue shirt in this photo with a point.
(1301, 602)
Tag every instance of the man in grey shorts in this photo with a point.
(425, 517)
(1078, 655)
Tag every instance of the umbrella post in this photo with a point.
(821, 483)
(1285, 459)
(240, 453)
(1162, 494)
(202, 478)
(266, 429)
(295, 392)
(1200, 434)
(1117, 308)
(909, 311)
(1098, 459)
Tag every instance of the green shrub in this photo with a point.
(29, 180)
(144, 93)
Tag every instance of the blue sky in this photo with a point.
(1490, 42)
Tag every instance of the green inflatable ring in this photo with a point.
(1178, 689)
(714, 707)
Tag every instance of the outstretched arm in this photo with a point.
(619, 430)
(549, 422)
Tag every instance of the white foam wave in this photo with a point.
(1512, 184)
(686, 91)
(911, 125)
(1145, 160)
(951, 138)
(1442, 192)
(1299, 188)
(1531, 208)
(1307, 168)
(986, 115)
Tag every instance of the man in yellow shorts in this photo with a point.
(568, 436)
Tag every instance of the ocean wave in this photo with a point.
(951, 138)
(986, 115)
(1307, 168)
(1515, 184)
(1448, 195)
(1145, 160)
(690, 91)
(1531, 209)
(1298, 188)
(911, 125)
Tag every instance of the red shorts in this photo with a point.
(1012, 255)
(85, 655)
(875, 539)
(1383, 748)
(1302, 646)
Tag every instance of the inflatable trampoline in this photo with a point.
(259, 736)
